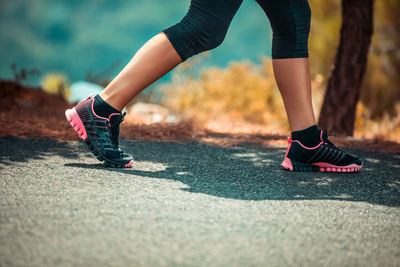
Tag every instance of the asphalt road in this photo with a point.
(192, 205)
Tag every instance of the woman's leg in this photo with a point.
(153, 60)
(290, 21)
(203, 28)
(293, 78)
(97, 119)
(309, 148)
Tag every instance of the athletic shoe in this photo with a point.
(99, 133)
(324, 157)
(115, 122)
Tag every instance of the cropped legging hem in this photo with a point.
(183, 51)
(299, 55)
(206, 23)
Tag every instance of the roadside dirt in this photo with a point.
(30, 112)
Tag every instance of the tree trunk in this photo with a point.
(339, 107)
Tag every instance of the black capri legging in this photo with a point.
(205, 25)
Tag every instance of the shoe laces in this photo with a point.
(115, 131)
(325, 136)
(111, 133)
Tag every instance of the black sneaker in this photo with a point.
(324, 157)
(115, 121)
(100, 134)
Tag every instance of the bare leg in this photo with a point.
(293, 78)
(154, 59)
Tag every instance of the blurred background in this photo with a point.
(76, 37)
(65, 47)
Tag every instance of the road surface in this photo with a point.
(192, 204)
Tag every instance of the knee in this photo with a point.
(291, 31)
(190, 37)
(210, 37)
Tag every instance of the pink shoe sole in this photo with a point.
(76, 122)
(78, 126)
(319, 166)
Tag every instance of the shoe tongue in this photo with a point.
(324, 135)
(115, 119)
(325, 138)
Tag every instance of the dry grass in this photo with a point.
(245, 94)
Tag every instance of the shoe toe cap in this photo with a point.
(127, 157)
(358, 161)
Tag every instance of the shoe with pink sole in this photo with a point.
(99, 133)
(324, 157)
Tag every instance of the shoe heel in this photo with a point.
(296, 166)
(76, 122)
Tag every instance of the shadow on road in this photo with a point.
(251, 173)
(243, 172)
(21, 149)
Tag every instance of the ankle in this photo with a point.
(309, 136)
(102, 108)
